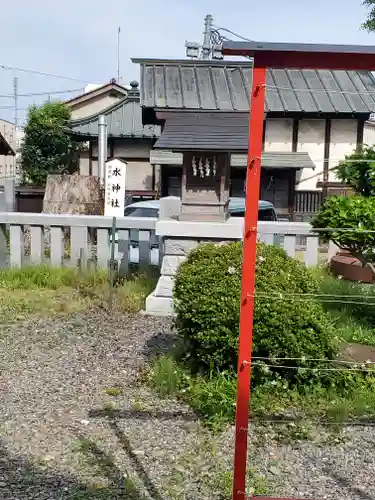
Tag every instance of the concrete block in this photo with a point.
(159, 306)
(164, 287)
(174, 246)
(170, 206)
(232, 229)
(171, 263)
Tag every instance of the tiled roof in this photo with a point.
(225, 86)
(187, 130)
(97, 91)
(124, 119)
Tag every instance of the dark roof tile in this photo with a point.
(225, 86)
(205, 131)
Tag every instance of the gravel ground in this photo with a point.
(63, 437)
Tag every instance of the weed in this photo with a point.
(114, 391)
(349, 316)
(97, 491)
(137, 406)
(222, 482)
(213, 397)
(115, 486)
(166, 376)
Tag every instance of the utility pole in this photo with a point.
(15, 89)
(206, 47)
(102, 148)
(208, 50)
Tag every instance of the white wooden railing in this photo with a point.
(297, 239)
(32, 239)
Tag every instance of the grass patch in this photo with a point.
(222, 482)
(42, 289)
(355, 322)
(213, 397)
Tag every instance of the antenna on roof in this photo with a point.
(118, 53)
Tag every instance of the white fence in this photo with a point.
(297, 239)
(32, 239)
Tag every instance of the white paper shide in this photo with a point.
(115, 182)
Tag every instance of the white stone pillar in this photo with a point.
(179, 238)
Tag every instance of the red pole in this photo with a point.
(248, 279)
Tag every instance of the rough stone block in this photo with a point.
(179, 246)
(164, 287)
(159, 306)
(171, 263)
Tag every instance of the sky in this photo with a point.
(78, 38)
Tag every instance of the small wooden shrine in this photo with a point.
(205, 186)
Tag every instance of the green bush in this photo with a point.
(357, 212)
(358, 171)
(207, 303)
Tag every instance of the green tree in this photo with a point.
(358, 171)
(369, 24)
(47, 147)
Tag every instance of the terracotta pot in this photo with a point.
(350, 268)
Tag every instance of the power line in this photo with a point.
(41, 73)
(321, 90)
(32, 94)
(297, 298)
(314, 360)
(12, 107)
(232, 33)
(315, 370)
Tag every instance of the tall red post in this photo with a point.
(248, 279)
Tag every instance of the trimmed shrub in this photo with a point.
(207, 303)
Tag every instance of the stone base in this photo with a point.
(159, 306)
(178, 240)
(203, 217)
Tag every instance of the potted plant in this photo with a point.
(348, 221)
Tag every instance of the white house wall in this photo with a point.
(128, 149)
(8, 162)
(138, 176)
(369, 134)
(279, 134)
(343, 142)
(311, 140)
(132, 150)
(84, 163)
(94, 105)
